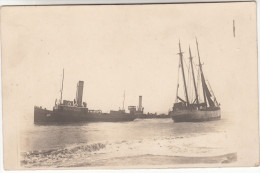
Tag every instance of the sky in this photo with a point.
(131, 48)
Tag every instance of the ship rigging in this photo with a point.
(190, 108)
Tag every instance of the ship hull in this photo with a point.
(43, 116)
(195, 115)
(110, 117)
(48, 116)
(146, 116)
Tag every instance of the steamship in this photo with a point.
(189, 110)
(76, 111)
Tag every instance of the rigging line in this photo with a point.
(196, 84)
(194, 65)
(188, 68)
(176, 100)
(201, 86)
(198, 80)
(191, 89)
(189, 81)
(186, 64)
(183, 87)
(211, 90)
(207, 83)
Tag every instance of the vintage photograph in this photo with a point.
(130, 86)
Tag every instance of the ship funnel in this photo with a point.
(79, 93)
(140, 107)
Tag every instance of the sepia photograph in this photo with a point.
(130, 86)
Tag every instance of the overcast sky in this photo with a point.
(131, 47)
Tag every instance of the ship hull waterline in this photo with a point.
(43, 116)
(195, 115)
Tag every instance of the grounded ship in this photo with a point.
(185, 110)
(76, 111)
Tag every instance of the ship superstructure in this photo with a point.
(77, 111)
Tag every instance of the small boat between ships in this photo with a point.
(185, 110)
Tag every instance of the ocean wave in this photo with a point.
(47, 157)
(107, 153)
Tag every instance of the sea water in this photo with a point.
(138, 143)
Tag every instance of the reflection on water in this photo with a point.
(43, 137)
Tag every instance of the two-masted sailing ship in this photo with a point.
(66, 111)
(188, 109)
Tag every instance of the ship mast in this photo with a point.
(61, 87)
(183, 75)
(124, 101)
(201, 72)
(194, 82)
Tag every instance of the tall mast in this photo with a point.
(183, 75)
(124, 101)
(61, 87)
(194, 82)
(202, 75)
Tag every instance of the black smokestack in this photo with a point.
(79, 93)
(140, 107)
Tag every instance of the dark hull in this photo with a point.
(110, 117)
(195, 115)
(145, 116)
(46, 116)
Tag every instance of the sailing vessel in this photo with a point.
(76, 111)
(197, 109)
